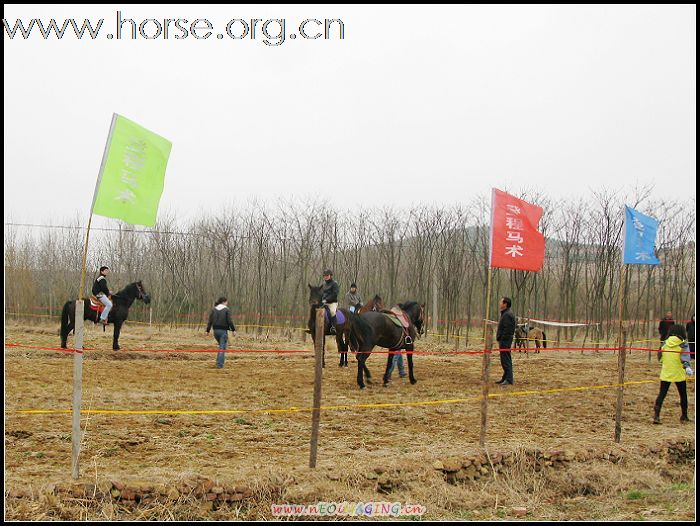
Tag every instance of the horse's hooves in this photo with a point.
(362, 387)
(414, 381)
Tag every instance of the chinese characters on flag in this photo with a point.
(515, 241)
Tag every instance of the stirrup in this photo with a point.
(407, 340)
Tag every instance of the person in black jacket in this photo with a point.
(504, 336)
(330, 296)
(102, 293)
(664, 326)
(220, 320)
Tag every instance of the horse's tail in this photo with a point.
(544, 340)
(65, 321)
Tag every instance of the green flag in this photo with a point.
(133, 170)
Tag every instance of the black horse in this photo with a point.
(376, 328)
(343, 322)
(122, 300)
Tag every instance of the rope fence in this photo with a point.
(385, 405)
(287, 328)
(308, 351)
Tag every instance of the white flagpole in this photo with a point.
(80, 326)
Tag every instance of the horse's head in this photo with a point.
(141, 293)
(420, 321)
(377, 303)
(416, 313)
(315, 295)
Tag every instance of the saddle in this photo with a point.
(400, 319)
(96, 304)
(339, 316)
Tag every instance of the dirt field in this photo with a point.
(269, 452)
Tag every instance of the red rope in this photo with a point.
(390, 351)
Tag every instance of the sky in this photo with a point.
(415, 105)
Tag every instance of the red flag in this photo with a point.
(515, 241)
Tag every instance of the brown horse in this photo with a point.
(524, 334)
(376, 304)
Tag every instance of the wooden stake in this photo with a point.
(318, 371)
(486, 361)
(621, 387)
(621, 296)
(486, 364)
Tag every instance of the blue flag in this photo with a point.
(640, 235)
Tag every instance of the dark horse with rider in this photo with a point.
(396, 329)
(121, 301)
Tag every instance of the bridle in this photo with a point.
(421, 319)
(139, 287)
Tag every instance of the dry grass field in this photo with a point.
(268, 451)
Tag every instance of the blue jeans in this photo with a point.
(221, 336)
(397, 360)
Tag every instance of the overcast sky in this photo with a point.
(415, 105)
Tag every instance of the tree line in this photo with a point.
(262, 256)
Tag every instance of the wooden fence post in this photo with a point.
(621, 386)
(318, 371)
(486, 363)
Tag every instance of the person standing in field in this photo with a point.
(504, 336)
(675, 368)
(220, 320)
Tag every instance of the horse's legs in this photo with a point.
(390, 358)
(409, 357)
(117, 330)
(360, 369)
(64, 337)
(342, 348)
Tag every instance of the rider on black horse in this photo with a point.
(330, 297)
(102, 293)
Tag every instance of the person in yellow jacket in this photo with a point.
(675, 367)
